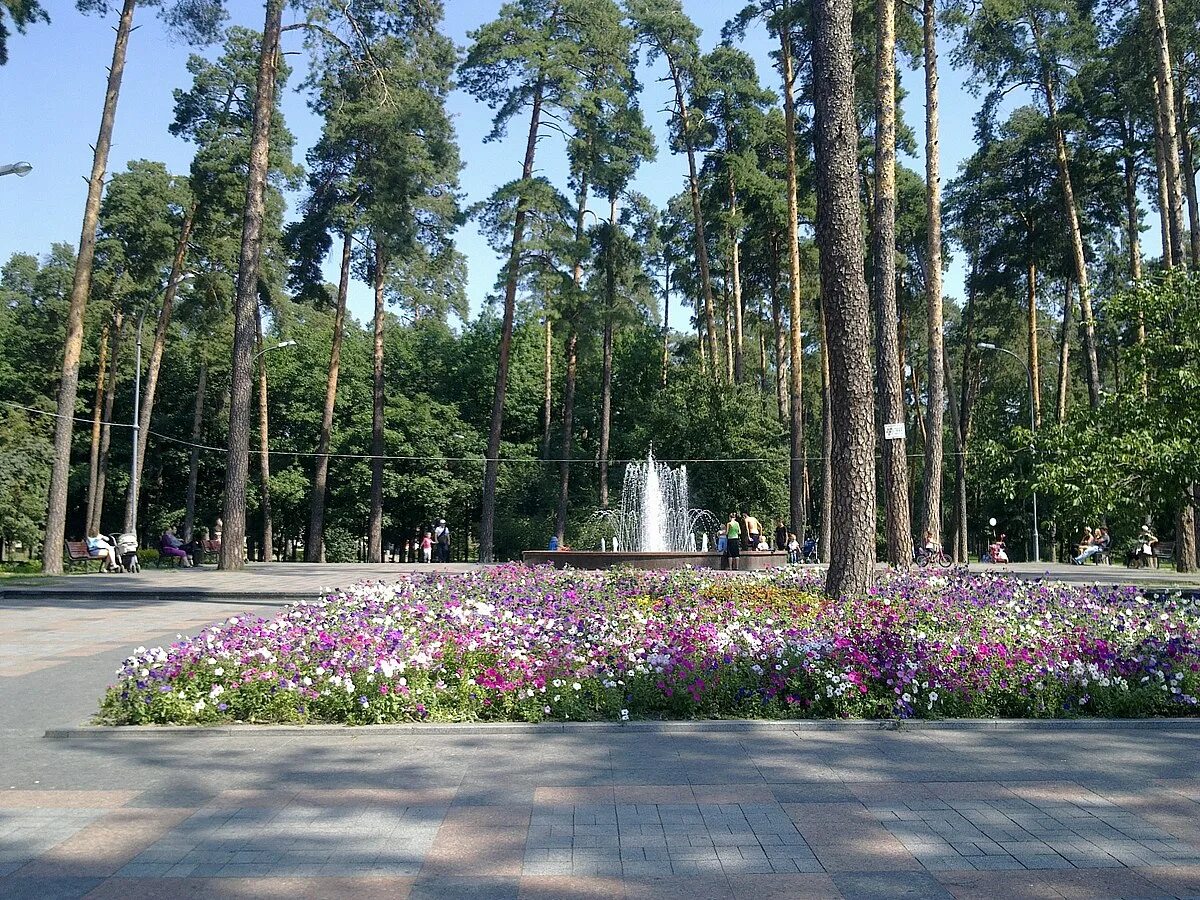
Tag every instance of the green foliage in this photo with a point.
(22, 13)
(25, 453)
(340, 545)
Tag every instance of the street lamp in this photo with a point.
(986, 345)
(279, 346)
(20, 169)
(137, 403)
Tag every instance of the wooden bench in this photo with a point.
(167, 561)
(1163, 550)
(78, 555)
(210, 550)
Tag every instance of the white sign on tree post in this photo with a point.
(893, 431)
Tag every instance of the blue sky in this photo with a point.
(53, 88)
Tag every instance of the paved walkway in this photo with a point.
(820, 811)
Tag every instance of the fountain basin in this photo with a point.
(749, 561)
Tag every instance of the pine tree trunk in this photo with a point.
(487, 522)
(1185, 538)
(666, 326)
(150, 388)
(963, 423)
(1188, 173)
(844, 290)
(97, 418)
(959, 445)
(710, 323)
(68, 385)
(264, 447)
(610, 290)
(735, 259)
(1133, 226)
(375, 519)
(547, 384)
(936, 401)
(781, 377)
(918, 409)
(1064, 357)
(761, 331)
(1164, 193)
(1166, 100)
(1071, 208)
(189, 515)
(246, 298)
(1032, 324)
(564, 464)
(314, 544)
(796, 506)
(826, 534)
(110, 396)
(727, 316)
(889, 378)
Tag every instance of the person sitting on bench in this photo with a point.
(1101, 541)
(170, 545)
(101, 548)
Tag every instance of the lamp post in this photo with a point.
(20, 169)
(137, 407)
(986, 345)
(278, 346)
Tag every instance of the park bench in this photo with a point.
(1164, 550)
(78, 555)
(210, 550)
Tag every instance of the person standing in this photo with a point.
(781, 536)
(427, 547)
(441, 537)
(733, 535)
(753, 531)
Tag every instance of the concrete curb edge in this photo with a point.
(108, 733)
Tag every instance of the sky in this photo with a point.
(52, 89)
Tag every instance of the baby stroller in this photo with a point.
(127, 546)
(809, 552)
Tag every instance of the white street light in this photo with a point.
(987, 345)
(20, 169)
(279, 346)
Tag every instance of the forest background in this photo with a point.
(727, 416)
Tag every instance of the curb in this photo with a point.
(716, 726)
(248, 599)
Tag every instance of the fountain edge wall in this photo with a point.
(749, 561)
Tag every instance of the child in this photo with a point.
(793, 549)
(427, 547)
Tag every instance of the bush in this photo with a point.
(340, 545)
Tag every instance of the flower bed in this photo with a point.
(520, 644)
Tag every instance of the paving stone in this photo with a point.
(695, 866)
(886, 885)
(995, 862)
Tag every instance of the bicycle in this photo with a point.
(926, 557)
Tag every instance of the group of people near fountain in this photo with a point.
(745, 531)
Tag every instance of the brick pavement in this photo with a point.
(817, 812)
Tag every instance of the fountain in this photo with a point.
(654, 515)
(654, 527)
